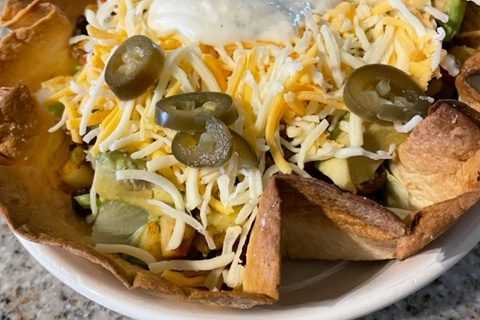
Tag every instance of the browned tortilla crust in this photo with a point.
(321, 222)
(16, 122)
(37, 47)
(468, 94)
(441, 158)
(264, 250)
(433, 221)
(72, 8)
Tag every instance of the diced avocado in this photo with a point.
(118, 161)
(338, 171)
(455, 9)
(380, 137)
(349, 174)
(117, 221)
(109, 188)
(396, 195)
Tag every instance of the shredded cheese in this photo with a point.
(127, 109)
(409, 17)
(192, 265)
(135, 252)
(409, 126)
(59, 125)
(155, 179)
(161, 163)
(437, 14)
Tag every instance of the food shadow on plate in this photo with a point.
(334, 280)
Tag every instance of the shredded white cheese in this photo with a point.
(350, 152)
(355, 131)
(333, 54)
(192, 194)
(135, 252)
(155, 179)
(92, 134)
(122, 142)
(409, 17)
(181, 215)
(161, 163)
(409, 126)
(87, 108)
(234, 276)
(151, 148)
(59, 125)
(309, 141)
(437, 14)
(450, 64)
(192, 265)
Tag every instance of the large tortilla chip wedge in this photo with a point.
(439, 165)
(36, 207)
(321, 222)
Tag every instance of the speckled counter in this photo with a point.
(29, 292)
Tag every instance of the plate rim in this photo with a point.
(46, 256)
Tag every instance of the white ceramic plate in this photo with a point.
(311, 290)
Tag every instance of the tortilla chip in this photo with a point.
(72, 9)
(440, 159)
(439, 166)
(321, 222)
(467, 93)
(45, 214)
(313, 227)
(37, 47)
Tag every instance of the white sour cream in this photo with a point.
(219, 22)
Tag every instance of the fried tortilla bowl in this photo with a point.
(298, 218)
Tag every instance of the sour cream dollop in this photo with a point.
(220, 22)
